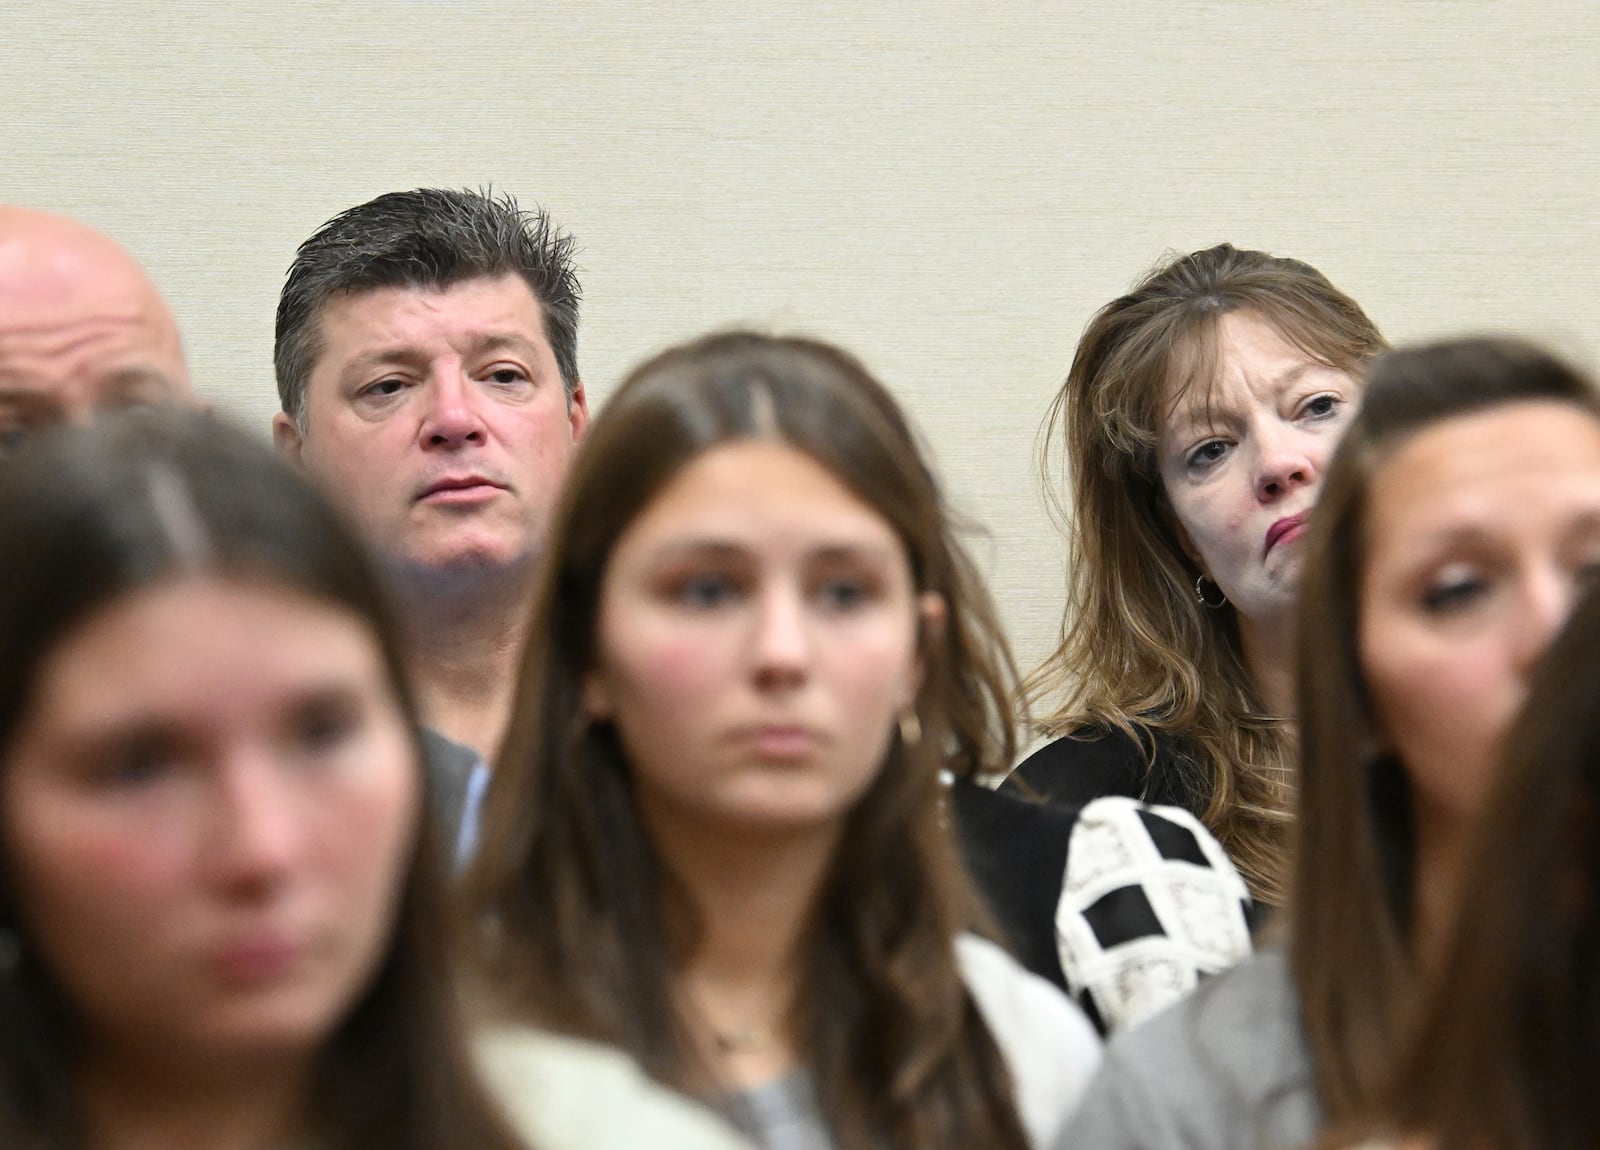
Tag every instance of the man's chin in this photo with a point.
(461, 566)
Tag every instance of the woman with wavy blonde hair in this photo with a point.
(1197, 418)
(1459, 526)
(714, 834)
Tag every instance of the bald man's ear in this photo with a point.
(286, 438)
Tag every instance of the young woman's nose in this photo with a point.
(1546, 599)
(258, 825)
(782, 641)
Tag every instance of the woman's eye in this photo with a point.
(138, 762)
(705, 591)
(1208, 453)
(324, 724)
(1321, 406)
(844, 594)
(1453, 594)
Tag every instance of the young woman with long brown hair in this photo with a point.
(1459, 521)
(714, 837)
(219, 922)
(221, 916)
(1503, 1055)
(1198, 416)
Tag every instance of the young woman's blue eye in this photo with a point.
(705, 591)
(844, 594)
(139, 761)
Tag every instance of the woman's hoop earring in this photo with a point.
(910, 727)
(1200, 594)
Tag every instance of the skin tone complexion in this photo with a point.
(1483, 530)
(207, 810)
(758, 638)
(1242, 466)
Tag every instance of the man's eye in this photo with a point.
(508, 375)
(385, 388)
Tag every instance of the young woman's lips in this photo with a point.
(1291, 527)
(780, 741)
(251, 960)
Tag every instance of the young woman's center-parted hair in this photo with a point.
(588, 930)
(92, 515)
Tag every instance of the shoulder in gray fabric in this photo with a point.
(1227, 1068)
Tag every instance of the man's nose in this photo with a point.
(452, 417)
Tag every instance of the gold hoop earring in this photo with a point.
(910, 727)
(1200, 594)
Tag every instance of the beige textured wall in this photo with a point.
(949, 189)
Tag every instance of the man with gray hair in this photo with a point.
(426, 357)
(82, 328)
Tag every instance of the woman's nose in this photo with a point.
(782, 650)
(1283, 463)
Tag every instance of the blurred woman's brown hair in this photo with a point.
(1351, 944)
(1503, 1055)
(86, 519)
(589, 929)
(1138, 653)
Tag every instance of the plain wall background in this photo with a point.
(948, 189)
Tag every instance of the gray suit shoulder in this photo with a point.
(1227, 1068)
(450, 765)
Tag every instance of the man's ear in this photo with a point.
(578, 412)
(286, 438)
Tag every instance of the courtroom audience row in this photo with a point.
(477, 773)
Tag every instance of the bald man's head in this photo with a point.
(82, 328)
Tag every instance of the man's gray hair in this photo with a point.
(428, 238)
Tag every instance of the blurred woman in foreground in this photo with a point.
(714, 835)
(220, 915)
(1504, 1055)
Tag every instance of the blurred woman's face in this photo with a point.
(1242, 467)
(1481, 532)
(757, 640)
(209, 809)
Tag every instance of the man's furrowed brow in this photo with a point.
(490, 342)
(368, 362)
